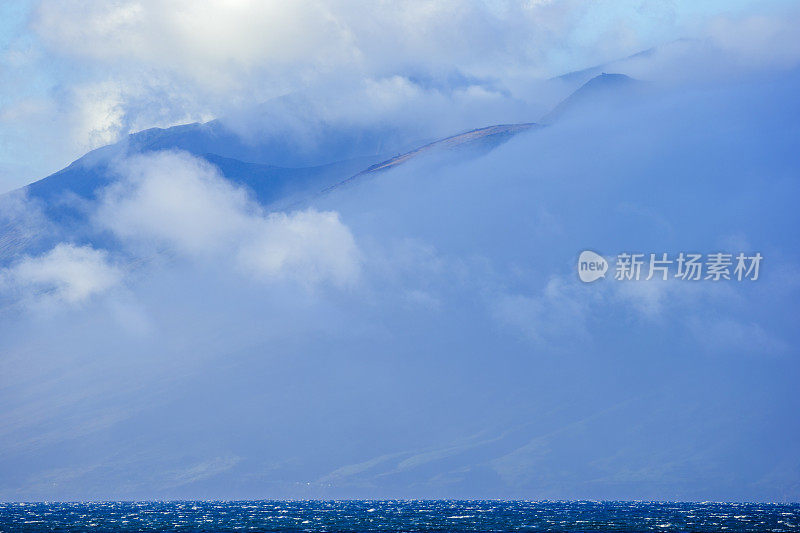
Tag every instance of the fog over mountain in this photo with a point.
(284, 303)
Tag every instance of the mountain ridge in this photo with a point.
(87, 174)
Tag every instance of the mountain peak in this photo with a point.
(602, 91)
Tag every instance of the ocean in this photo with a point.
(399, 515)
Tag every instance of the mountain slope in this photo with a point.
(257, 165)
(467, 144)
(601, 92)
(65, 197)
(462, 358)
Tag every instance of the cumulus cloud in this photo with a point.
(436, 66)
(464, 288)
(179, 202)
(219, 41)
(99, 112)
(67, 273)
(309, 246)
(460, 276)
(175, 199)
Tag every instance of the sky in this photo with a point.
(79, 75)
(165, 333)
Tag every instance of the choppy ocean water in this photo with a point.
(438, 515)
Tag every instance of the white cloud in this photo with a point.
(759, 40)
(144, 63)
(98, 70)
(129, 65)
(100, 114)
(177, 201)
(309, 246)
(221, 42)
(67, 273)
(721, 48)
(556, 317)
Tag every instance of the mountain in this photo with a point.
(464, 145)
(64, 196)
(601, 92)
(260, 166)
(459, 356)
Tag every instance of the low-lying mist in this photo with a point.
(422, 332)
